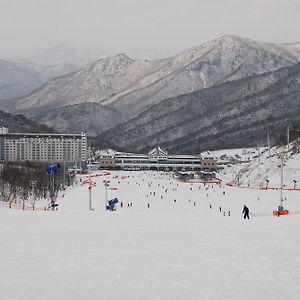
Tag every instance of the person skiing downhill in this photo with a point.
(246, 212)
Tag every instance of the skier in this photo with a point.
(246, 212)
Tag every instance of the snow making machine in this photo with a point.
(111, 204)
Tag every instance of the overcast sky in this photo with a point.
(166, 26)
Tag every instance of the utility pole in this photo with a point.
(258, 153)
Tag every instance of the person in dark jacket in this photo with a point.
(246, 212)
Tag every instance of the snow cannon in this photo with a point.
(111, 204)
(280, 211)
(52, 168)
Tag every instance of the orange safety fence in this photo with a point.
(96, 175)
(262, 188)
(20, 206)
(88, 182)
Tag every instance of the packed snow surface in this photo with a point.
(267, 168)
(178, 248)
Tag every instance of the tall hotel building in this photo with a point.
(54, 147)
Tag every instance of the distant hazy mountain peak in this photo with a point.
(123, 56)
(231, 37)
(230, 40)
(117, 57)
(115, 66)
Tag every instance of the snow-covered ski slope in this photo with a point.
(268, 168)
(262, 168)
(171, 250)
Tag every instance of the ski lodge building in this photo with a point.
(42, 146)
(156, 159)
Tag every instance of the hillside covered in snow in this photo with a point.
(234, 114)
(133, 86)
(265, 171)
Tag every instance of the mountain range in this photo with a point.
(19, 123)
(20, 79)
(64, 54)
(139, 103)
(233, 114)
(17, 80)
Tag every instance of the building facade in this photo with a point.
(107, 159)
(208, 163)
(43, 147)
(156, 159)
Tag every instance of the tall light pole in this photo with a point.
(90, 180)
(237, 177)
(281, 182)
(281, 210)
(288, 138)
(106, 185)
(64, 172)
(269, 144)
(249, 176)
